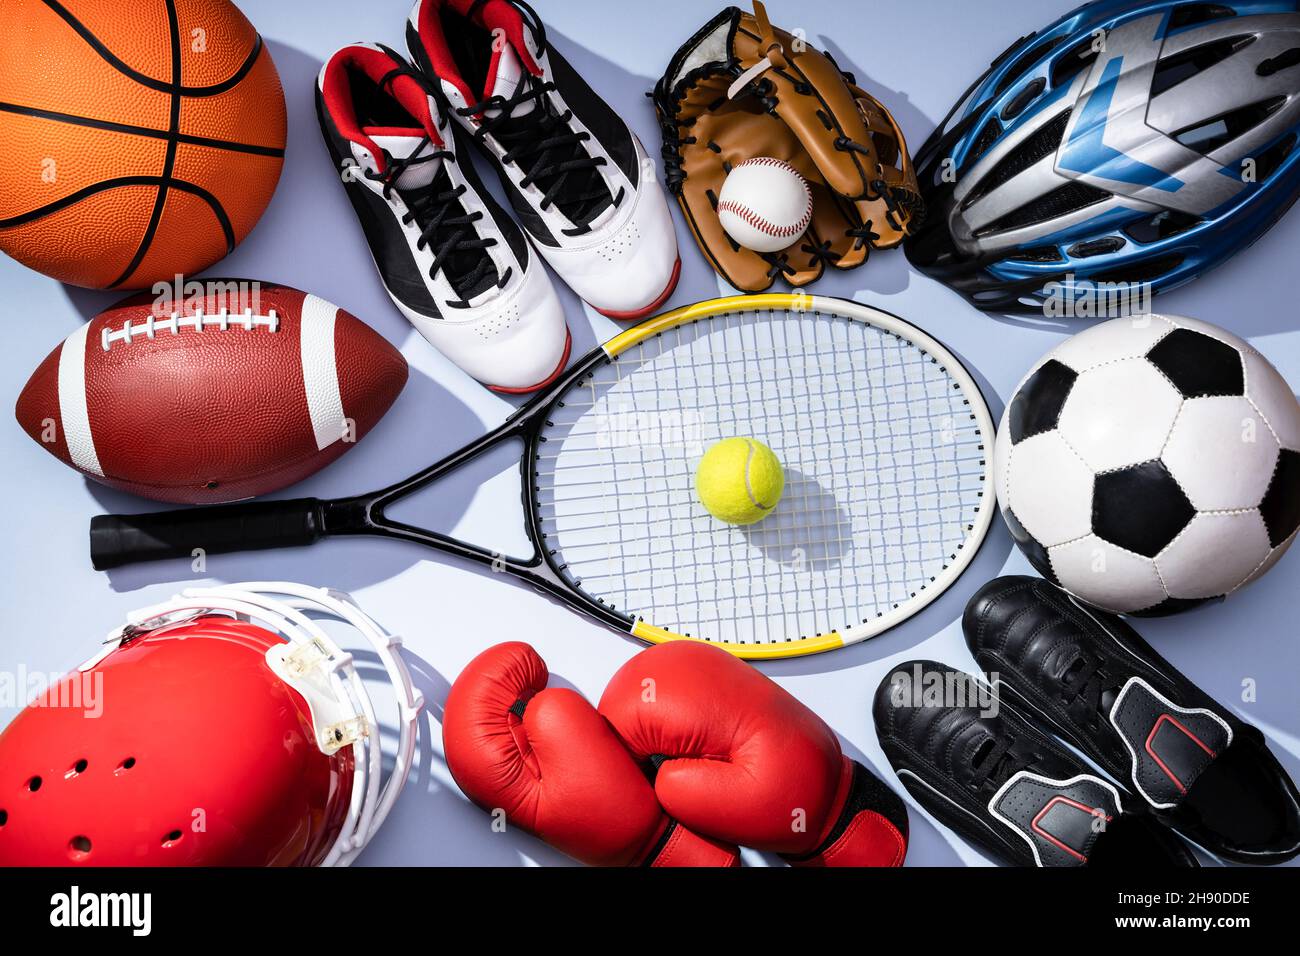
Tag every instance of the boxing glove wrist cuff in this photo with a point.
(869, 830)
(679, 846)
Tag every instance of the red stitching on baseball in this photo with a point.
(760, 223)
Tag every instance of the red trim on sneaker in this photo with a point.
(375, 65)
(564, 360)
(492, 15)
(642, 313)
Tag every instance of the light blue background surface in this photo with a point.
(918, 57)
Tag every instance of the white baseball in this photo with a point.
(765, 205)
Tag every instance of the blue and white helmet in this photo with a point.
(1130, 142)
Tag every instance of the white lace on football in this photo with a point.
(223, 321)
(316, 666)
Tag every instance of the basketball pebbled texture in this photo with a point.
(215, 415)
(144, 138)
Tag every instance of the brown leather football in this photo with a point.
(236, 391)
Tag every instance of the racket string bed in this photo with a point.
(881, 432)
(883, 458)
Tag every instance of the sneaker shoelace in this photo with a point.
(1085, 688)
(550, 152)
(445, 226)
(998, 760)
(543, 145)
(456, 244)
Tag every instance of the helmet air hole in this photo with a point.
(34, 784)
(1096, 247)
(1023, 99)
(1073, 62)
(1269, 160)
(1191, 13)
(1166, 223)
(79, 847)
(1172, 70)
(1028, 59)
(1206, 137)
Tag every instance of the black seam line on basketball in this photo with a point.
(169, 161)
(187, 138)
(144, 80)
(107, 184)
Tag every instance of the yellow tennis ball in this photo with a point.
(739, 480)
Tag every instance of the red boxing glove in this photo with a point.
(547, 759)
(740, 759)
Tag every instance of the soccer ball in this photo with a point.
(1150, 464)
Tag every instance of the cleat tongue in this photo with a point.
(401, 144)
(506, 78)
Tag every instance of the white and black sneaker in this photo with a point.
(452, 260)
(577, 177)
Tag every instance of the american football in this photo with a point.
(237, 390)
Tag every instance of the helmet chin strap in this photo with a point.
(323, 673)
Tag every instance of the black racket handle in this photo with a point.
(117, 540)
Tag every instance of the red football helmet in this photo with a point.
(224, 727)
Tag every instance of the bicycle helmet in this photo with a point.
(1130, 142)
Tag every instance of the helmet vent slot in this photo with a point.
(1096, 247)
(4, 817)
(1206, 137)
(172, 838)
(1022, 99)
(1173, 70)
(34, 784)
(1040, 144)
(1166, 223)
(79, 847)
(1192, 13)
(1283, 61)
(1038, 254)
(1142, 271)
(77, 768)
(987, 137)
(1074, 61)
(1267, 163)
(126, 764)
(1059, 202)
(1027, 59)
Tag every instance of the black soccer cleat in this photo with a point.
(1090, 678)
(982, 770)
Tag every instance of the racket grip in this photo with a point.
(117, 540)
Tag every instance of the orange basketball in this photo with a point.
(143, 138)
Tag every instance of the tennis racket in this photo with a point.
(883, 435)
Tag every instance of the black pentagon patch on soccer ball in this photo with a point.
(1036, 406)
(1281, 505)
(1199, 365)
(1034, 551)
(1140, 508)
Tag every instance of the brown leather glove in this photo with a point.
(740, 88)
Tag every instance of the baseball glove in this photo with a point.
(740, 88)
